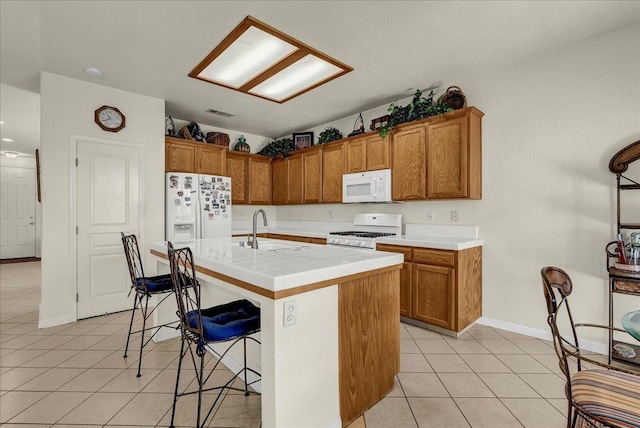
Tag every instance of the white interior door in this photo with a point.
(17, 213)
(108, 202)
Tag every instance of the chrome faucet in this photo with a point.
(254, 243)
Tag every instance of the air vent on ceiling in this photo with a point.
(220, 113)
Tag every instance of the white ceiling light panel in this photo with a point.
(259, 60)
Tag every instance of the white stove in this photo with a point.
(366, 228)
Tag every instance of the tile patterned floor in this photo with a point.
(74, 375)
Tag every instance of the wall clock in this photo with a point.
(110, 118)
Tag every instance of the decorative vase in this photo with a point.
(242, 145)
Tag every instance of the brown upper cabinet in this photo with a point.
(250, 178)
(298, 178)
(279, 181)
(367, 153)
(454, 156)
(333, 166)
(259, 180)
(294, 179)
(179, 155)
(409, 167)
(188, 156)
(238, 170)
(312, 175)
(210, 159)
(439, 157)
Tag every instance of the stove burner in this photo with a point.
(362, 234)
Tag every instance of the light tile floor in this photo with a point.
(74, 375)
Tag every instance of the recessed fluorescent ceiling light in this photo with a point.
(259, 60)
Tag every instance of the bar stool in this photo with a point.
(234, 321)
(144, 287)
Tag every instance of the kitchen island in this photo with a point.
(341, 355)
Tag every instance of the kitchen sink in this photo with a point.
(274, 246)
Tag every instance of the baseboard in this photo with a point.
(52, 322)
(20, 260)
(600, 348)
(166, 334)
(335, 424)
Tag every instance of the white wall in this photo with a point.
(68, 107)
(551, 125)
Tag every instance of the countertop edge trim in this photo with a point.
(275, 295)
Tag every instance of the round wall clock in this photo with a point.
(110, 118)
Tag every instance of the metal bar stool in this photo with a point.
(234, 321)
(598, 397)
(144, 287)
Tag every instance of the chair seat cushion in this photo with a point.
(224, 322)
(156, 284)
(612, 396)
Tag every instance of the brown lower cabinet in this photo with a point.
(440, 287)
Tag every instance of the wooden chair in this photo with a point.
(230, 322)
(144, 288)
(601, 397)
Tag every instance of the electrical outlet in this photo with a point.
(331, 215)
(290, 214)
(431, 217)
(290, 313)
(454, 216)
(241, 213)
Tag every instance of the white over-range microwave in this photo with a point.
(370, 186)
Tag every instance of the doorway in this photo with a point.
(17, 213)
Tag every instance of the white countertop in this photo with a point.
(425, 241)
(436, 242)
(293, 264)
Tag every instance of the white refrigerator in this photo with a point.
(197, 206)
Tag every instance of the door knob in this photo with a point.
(32, 223)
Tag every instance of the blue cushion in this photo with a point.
(224, 322)
(156, 283)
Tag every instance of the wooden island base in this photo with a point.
(369, 346)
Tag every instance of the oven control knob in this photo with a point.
(363, 243)
(331, 241)
(346, 242)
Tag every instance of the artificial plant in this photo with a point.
(418, 108)
(329, 134)
(277, 148)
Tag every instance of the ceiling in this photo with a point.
(149, 47)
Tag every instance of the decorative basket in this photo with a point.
(218, 138)
(454, 98)
(184, 133)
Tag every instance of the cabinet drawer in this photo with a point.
(434, 257)
(406, 251)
